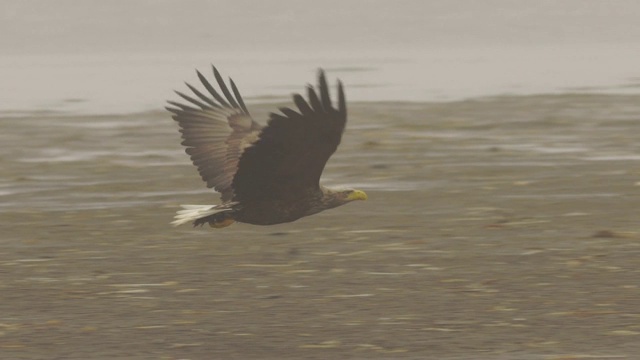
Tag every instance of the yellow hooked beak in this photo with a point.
(357, 195)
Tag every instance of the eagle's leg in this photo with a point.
(219, 220)
(221, 224)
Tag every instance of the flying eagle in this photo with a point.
(265, 174)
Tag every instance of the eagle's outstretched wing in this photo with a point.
(216, 130)
(292, 150)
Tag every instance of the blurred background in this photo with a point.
(498, 142)
(123, 56)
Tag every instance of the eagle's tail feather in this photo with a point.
(215, 215)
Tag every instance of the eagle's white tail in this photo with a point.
(190, 213)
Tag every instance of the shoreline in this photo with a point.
(495, 228)
(267, 104)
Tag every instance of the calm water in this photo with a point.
(95, 57)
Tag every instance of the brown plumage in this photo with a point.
(265, 175)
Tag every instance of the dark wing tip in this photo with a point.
(216, 73)
(221, 85)
(324, 90)
(224, 88)
(314, 100)
(192, 100)
(227, 99)
(236, 93)
(290, 113)
(342, 102)
(210, 88)
(302, 104)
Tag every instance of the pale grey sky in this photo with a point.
(127, 55)
(96, 26)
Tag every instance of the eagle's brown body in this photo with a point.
(266, 175)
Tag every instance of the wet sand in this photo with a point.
(497, 228)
